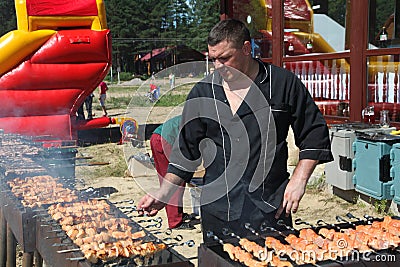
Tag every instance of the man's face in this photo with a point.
(228, 60)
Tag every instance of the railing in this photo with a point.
(327, 77)
(383, 82)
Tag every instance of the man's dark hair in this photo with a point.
(231, 30)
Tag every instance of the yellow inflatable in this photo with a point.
(16, 45)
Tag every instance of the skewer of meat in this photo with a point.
(258, 251)
(92, 227)
(279, 248)
(237, 254)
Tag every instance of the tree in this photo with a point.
(8, 21)
(164, 23)
(205, 16)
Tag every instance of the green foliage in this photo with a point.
(113, 103)
(318, 183)
(125, 76)
(380, 206)
(164, 23)
(8, 21)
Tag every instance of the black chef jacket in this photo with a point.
(245, 154)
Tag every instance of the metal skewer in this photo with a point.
(210, 234)
(282, 223)
(340, 219)
(351, 216)
(321, 222)
(77, 259)
(158, 220)
(264, 227)
(68, 250)
(64, 244)
(123, 201)
(299, 221)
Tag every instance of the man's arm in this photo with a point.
(296, 186)
(150, 204)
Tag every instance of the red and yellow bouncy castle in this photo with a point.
(58, 55)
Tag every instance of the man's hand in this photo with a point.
(149, 205)
(296, 187)
(291, 199)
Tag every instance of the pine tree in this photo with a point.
(8, 21)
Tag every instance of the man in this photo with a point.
(237, 120)
(161, 142)
(88, 105)
(103, 88)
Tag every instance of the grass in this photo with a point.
(171, 100)
(114, 103)
(122, 89)
(318, 183)
(117, 169)
(111, 153)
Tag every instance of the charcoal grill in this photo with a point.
(51, 239)
(26, 157)
(212, 254)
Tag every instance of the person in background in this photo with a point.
(102, 96)
(161, 142)
(88, 105)
(237, 121)
(80, 114)
(154, 93)
(171, 80)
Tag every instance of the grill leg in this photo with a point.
(27, 259)
(11, 249)
(3, 239)
(38, 259)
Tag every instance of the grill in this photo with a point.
(213, 254)
(23, 159)
(59, 250)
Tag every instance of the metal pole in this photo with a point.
(111, 74)
(207, 63)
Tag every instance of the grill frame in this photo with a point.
(212, 254)
(49, 252)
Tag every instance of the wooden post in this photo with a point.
(358, 59)
(3, 239)
(11, 249)
(226, 9)
(277, 32)
(27, 259)
(38, 259)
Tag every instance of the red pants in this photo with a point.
(161, 150)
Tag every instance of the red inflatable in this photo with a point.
(51, 64)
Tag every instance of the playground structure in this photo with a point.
(342, 81)
(58, 55)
